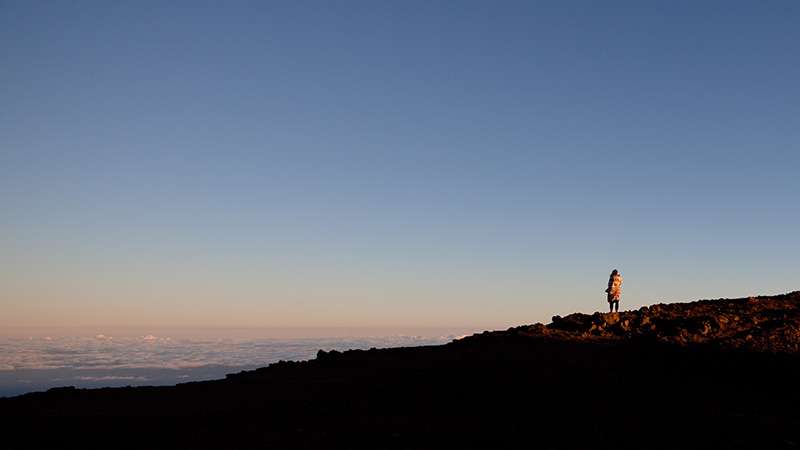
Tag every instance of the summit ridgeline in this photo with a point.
(766, 324)
(711, 374)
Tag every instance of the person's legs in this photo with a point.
(610, 306)
(616, 305)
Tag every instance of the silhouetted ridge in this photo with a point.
(706, 374)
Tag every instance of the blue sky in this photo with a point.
(392, 163)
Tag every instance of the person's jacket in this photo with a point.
(614, 284)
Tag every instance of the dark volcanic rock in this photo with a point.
(707, 374)
(772, 323)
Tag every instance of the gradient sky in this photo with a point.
(392, 163)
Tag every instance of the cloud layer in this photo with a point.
(107, 352)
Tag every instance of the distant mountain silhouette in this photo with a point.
(707, 374)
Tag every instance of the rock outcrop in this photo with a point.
(765, 324)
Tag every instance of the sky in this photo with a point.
(387, 164)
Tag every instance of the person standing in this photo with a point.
(614, 290)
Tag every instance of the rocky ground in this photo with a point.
(765, 324)
(707, 374)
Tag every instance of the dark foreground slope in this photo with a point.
(710, 374)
